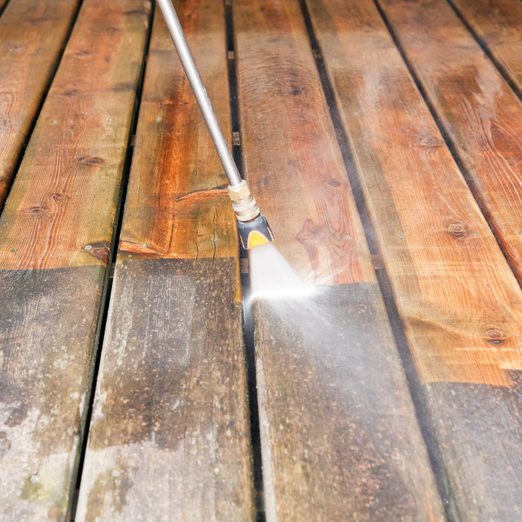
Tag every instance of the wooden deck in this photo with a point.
(382, 139)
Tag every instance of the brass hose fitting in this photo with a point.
(243, 202)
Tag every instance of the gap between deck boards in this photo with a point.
(3, 5)
(485, 48)
(248, 326)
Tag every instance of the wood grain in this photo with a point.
(55, 235)
(170, 434)
(458, 299)
(169, 192)
(169, 439)
(47, 333)
(338, 431)
(60, 210)
(294, 166)
(499, 24)
(479, 111)
(31, 37)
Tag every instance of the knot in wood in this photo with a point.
(82, 53)
(59, 197)
(38, 209)
(457, 229)
(430, 142)
(495, 335)
(333, 182)
(100, 250)
(15, 48)
(90, 160)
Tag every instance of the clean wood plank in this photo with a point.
(498, 23)
(170, 434)
(458, 299)
(479, 111)
(31, 38)
(55, 235)
(338, 431)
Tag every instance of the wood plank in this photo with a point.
(31, 38)
(457, 297)
(479, 111)
(338, 430)
(55, 236)
(170, 434)
(498, 23)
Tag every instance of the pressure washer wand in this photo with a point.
(252, 225)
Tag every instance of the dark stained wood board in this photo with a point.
(339, 435)
(458, 299)
(31, 38)
(55, 236)
(478, 109)
(169, 438)
(498, 23)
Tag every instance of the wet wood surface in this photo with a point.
(324, 97)
(478, 109)
(32, 35)
(459, 301)
(55, 236)
(170, 438)
(334, 446)
(498, 23)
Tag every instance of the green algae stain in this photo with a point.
(32, 488)
(113, 482)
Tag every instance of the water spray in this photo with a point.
(253, 227)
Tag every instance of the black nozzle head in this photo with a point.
(255, 232)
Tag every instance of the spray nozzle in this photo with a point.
(253, 227)
(254, 233)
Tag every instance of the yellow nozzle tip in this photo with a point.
(256, 238)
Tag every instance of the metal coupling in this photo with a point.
(243, 203)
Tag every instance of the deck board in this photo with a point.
(457, 297)
(478, 109)
(498, 23)
(171, 414)
(337, 441)
(31, 39)
(55, 237)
